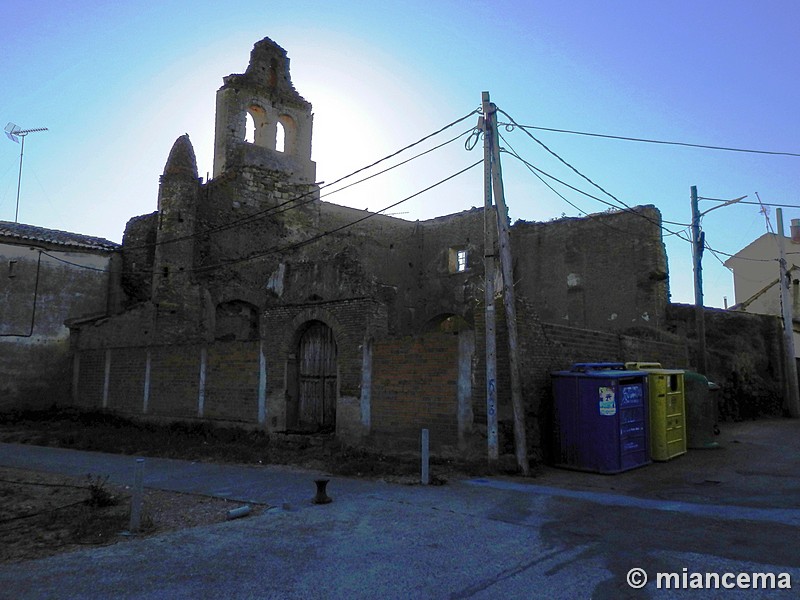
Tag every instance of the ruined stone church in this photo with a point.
(247, 300)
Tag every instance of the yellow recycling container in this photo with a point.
(667, 410)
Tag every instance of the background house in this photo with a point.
(756, 277)
(46, 278)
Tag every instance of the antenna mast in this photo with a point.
(14, 132)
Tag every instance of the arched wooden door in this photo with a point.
(317, 374)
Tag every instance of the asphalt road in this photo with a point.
(563, 535)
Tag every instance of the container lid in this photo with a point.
(652, 367)
(599, 366)
(600, 370)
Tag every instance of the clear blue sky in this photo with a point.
(117, 83)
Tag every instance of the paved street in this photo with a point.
(562, 535)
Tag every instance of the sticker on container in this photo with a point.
(608, 403)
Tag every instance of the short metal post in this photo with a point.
(136, 500)
(322, 493)
(426, 476)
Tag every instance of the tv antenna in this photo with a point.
(14, 132)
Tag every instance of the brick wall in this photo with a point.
(744, 356)
(174, 381)
(126, 380)
(414, 386)
(547, 347)
(91, 378)
(232, 381)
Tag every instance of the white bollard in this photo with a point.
(426, 476)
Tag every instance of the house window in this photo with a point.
(457, 260)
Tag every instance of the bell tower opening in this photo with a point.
(261, 119)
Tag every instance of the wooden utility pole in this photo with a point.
(504, 243)
(488, 270)
(793, 401)
(698, 245)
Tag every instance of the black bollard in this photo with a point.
(322, 497)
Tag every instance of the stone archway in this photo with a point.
(317, 378)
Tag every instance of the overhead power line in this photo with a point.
(753, 203)
(295, 245)
(514, 124)
(651, 141)
(295, 202)
(315, 238)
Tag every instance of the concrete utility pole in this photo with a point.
(793, 401)
(504, 243)
(698, 245)
(488, 270)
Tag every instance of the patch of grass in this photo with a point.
(197, 440)
(99, 495)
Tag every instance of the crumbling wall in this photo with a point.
(544, 348)
(607, 271)
(138, 250)
(744, 357)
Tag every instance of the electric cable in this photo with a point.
(555, 191)
(274, 210)
(513, 124)
(626, 209)
(312, 239)
(752, 203)
(651, 141)
(271, 210)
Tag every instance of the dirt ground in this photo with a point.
(42, 514)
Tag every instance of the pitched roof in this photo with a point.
(29, 233)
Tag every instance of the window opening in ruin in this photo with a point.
(457, 260)
(256, 127)
(250, 130)
(287, 134)
(12, 265)
(461, 261)
(280, 138)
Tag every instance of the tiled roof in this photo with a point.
(29, 233)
